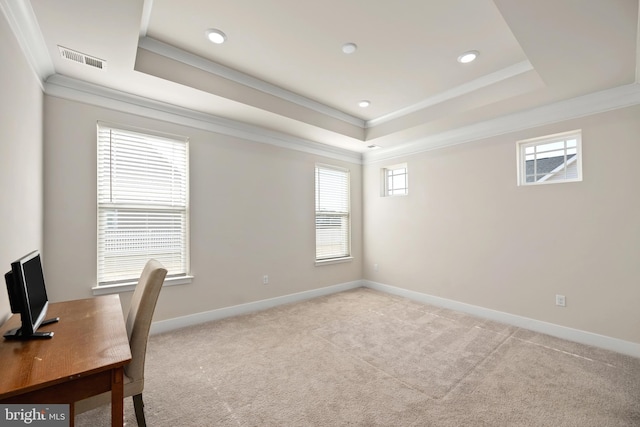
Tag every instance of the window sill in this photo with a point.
(558, 181)
(333, 261)
(130, 286)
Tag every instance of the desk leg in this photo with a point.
(72, 414)
(117, 397)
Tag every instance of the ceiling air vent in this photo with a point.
(81, 58)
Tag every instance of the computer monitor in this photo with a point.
(28, 297)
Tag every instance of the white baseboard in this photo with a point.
(576, 335)
(221, 313)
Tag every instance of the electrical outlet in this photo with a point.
(561, 301)
(265, 279)
(375, 267)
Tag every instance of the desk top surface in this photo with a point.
(90, 337)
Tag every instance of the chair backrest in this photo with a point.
(143, 303)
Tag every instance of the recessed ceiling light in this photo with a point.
(364, 103)
(349, 48)
(467, 57)
(216, 36)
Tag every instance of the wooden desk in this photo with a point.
(85, 357)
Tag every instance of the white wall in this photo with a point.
(252, 213)
(466, 232)
(20, 158)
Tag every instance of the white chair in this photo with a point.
(143, 304)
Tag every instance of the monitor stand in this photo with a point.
(16, 333)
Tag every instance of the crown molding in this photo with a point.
(24, 25)
(594, 103)
(80, 91)
(190, 59)
(466, 88)
(147, 6)
(176, 54)
(598, 102)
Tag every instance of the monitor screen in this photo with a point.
(34, 285)
(28, 297)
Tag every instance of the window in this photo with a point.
(332, 214)
(395, 181)
(550, 159)
(142, 204)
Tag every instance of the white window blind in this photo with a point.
(142, 204)
(332, 213)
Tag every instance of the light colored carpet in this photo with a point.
(365, 358)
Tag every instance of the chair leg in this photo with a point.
(138, 405)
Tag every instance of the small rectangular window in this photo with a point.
(142, 203)
(395, 180)
(333, 230)
(550, 159)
